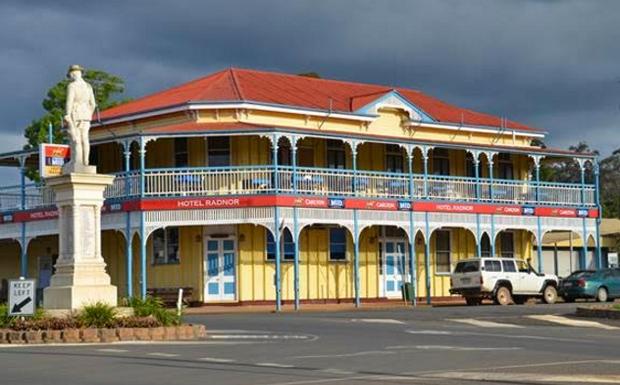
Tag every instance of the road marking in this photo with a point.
(273, 365)
(336, 371)
(485, 324)
(355, 354)
(530, 377)
(430, 332)
(370, 379)
(572, 322)
(158, 354)
(256, 337)
(113, 350)
(217, 360)
(530, 337)
(447, 347)
(378, 321)
(522, 366)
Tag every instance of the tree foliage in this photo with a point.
(107, 88)
(610, 185)
(568, 171)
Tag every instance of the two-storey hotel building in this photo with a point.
(256, 187)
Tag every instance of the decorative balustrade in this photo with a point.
(252, 180)
(34, 196)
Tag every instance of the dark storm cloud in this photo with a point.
(550, 64)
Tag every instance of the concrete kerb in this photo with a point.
(600, 311)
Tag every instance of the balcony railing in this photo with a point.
(34, 196)
(251, 180)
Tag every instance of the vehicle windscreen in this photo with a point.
(467, 267)
(581, 274)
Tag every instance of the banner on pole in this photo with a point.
(51, 158)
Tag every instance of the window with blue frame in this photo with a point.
(287, 247)
(394, 158)
(442, 252)
(441, 161)
(181, 156)
(335, 154)
(166, 246)
(218, 151)
(337, 244)
(505, 168)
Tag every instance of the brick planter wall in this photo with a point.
(170, 333)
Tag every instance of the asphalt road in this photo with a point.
(532, 344)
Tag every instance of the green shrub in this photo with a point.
(5, 319)
(145, 307)
(154, 307)
(98, 315)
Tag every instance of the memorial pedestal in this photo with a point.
(80, 277)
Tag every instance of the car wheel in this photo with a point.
(550, 294)
(569, 299)
(503, 296)
(602, 295)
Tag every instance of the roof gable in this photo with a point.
(392, 99)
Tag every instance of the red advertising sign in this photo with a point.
(367, 204)
(467, 208)
(51, 159)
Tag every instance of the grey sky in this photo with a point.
(550, 64)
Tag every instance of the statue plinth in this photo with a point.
(80, 278)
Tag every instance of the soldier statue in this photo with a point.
(78, 113)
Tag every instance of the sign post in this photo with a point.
(22, 297)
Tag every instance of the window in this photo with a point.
(284, 154)
(442, 251)
(305, 156)
(509, 266)
(337, 244)
(467, 267)
(134, 156)
(393, 158)
(441, 162)
(507, 244)
(485, 245)
(94, 155)
(180, 152)
(335, 154)
(490, 265)
(166, 246)
(287, 247)
(505, 170)
(218, 152)
(470, 166)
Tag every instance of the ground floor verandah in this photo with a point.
(229, 255)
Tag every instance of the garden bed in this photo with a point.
(99, 322)
(600, 311)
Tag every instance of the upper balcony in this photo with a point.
(503, 180)
(253, 180)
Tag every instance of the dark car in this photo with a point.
(602, 285)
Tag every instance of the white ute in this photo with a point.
(503, 280)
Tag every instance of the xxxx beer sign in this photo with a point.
(51, 159)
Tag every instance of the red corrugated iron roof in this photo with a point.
(234, 84)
